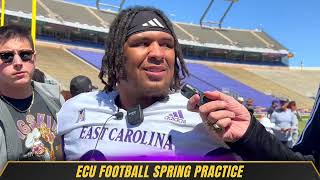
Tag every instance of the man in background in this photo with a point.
(80, 84)
(250, 105)
(272, 108)
(285, 123)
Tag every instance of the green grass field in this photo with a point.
(303, 123)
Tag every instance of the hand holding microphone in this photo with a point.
(221, 110)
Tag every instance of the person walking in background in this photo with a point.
(272, 108)
(249, 105)
(285, 122)
(293, 108)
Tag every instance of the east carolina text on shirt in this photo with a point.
(149, 138)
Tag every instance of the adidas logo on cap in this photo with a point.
(153, 22)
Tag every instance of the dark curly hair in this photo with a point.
(113, 62)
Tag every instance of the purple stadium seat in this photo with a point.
(93, 58)
(221, 81)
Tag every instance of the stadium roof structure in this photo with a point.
(89, 18)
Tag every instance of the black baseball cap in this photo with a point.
(80, 84)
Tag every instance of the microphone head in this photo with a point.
(119, 115)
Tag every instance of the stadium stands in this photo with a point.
(67, 12)
(205, 44)
(264, 85)
(181, 34)
(93, 58)
(63, 66)
(188, 34)
(243, 38)
(108, 17)
(25, 7)
(270, 40)
(204, 35)
(304, 82)
(221, 82)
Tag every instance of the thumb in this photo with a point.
(193, 103)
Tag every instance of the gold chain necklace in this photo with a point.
(15, 108)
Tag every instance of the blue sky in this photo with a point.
(295, 24)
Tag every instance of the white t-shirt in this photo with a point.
(168, 129)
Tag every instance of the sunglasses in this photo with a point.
(8, 56)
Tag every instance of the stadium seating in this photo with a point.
(181, 35)
(204, 35)
(192, 34)
(67, 12)
(304, 82)
(108, 17)
(93, 58)
(24, 6)
(221, 82)
(243, 38)
(275, 45)
(63, 66)
(262, 84)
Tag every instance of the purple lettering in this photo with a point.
(20, 135)
(120, 136)
(48, 121)
(82, 132)
(40, 119)
(111, 133)
(136, 140)
(143, 138)
(151, 138)
(102, 132)
(96, 133)
(89, 134)
(161, 139)
(128, 136)
(168, 143)
(25, 129)
(180, 114)
(31, 120)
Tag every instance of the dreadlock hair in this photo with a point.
(113, 62)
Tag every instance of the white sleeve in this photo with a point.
(3, 150)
